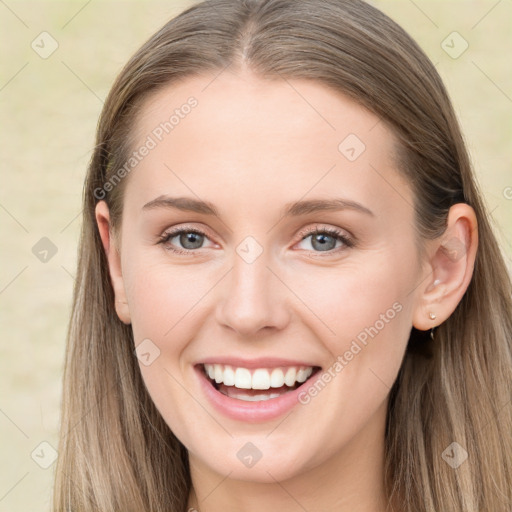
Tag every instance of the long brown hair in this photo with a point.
(116, 451)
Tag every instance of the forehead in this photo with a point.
(262, 107)
(246, 140)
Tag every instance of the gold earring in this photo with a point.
(432, 316)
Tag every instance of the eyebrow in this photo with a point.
(189, 204)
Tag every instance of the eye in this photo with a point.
(190, 239)
(325, 240)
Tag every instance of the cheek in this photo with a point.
(354, 296)
(363, 315)
(162, 297)
(364, 320)
(164, 303)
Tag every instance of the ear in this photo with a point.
(114, 261)
(450, 268)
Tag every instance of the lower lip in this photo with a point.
(250, 412)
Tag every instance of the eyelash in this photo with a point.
(335, 233)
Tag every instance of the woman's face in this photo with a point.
(271, 275)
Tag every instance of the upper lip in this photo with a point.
(260, 362)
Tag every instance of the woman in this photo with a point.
(289, 296)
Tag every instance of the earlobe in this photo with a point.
(114, 261)
(450, 268)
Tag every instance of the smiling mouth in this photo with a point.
(257, 384)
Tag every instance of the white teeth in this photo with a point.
(242, 378)
(277, 378)
(260, 378)
(218, 374)
(302, 375)
(289, 378)
(229, 376)
(254, 398)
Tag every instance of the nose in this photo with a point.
(253, 298)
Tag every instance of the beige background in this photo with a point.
(49, 109)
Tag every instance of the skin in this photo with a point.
(250, 147)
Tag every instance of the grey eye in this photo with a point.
(190, 239)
